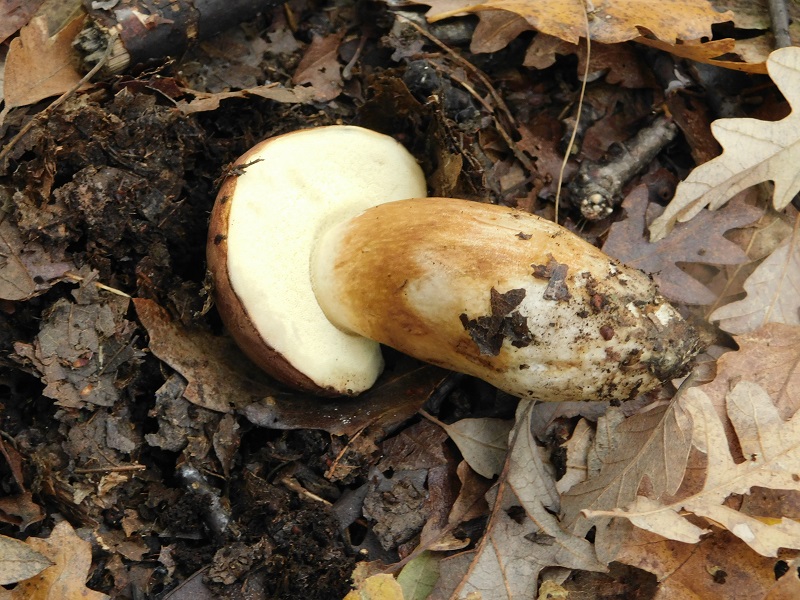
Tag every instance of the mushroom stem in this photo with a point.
(502, 295)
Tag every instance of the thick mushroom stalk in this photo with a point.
(321, 247)
(503, 295)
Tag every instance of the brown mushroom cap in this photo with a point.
(264, 225)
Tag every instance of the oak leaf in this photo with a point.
(652, 445)
(700, 241)
(754, 151)
(523, 536)
(771, 449)
(610, 22)
(773, 292)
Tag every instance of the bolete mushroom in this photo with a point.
(323, 246)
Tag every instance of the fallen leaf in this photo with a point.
(206, 101)
(753, 151)
(418, 577)
(523, 535)
(39, 66)
(219, 377)
(720, 566)
(652, 445)
(26, 269)
(66, 578)
(79, 348)
(771, 448)
(773, 292)
(578, 445)
(19, 561)
(394, 399)
(770, 357)
(483, 442)
(609, 22)
(320, 68)
(700, 241)
(377, 587)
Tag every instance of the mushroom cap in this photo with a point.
(283, 194)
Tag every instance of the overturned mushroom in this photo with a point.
(327, 247)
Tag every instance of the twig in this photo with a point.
(779, 16)
(119, 469)
(568, 149)
(58, 101)
(101, 286)
(597, 188)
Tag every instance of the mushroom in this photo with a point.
(323, 246)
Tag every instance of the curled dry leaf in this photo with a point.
(753, 151)
(773, 292)
(523, 536)
(771, 449)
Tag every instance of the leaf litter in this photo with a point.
(104, 400)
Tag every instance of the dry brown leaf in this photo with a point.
(578, 445)
(38, 66)
(753, 151)
(495, 30)
(71, 558)
(773, 292)
(652, 445)
(770, 357)
(771, 448)
(709, 53)
(219, 377)
(609, 22)
(719, 567)
(206, 101)
(523, 536)
(394, 399)
(26, 269)
(700, 241)
(320, 68)
(483, 443)
(19, 561)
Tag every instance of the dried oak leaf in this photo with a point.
(652, 445)
(753, 151)
(609, 22)
(773, 292)
(39, 66)
(771, 449)
(523, 535)
(19, 561)
(66, 578)
(700, 241)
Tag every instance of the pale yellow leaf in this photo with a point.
(377, 587)
(754, 151)
(773, 292)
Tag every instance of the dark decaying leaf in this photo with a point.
(700, 240)
(219, 376)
